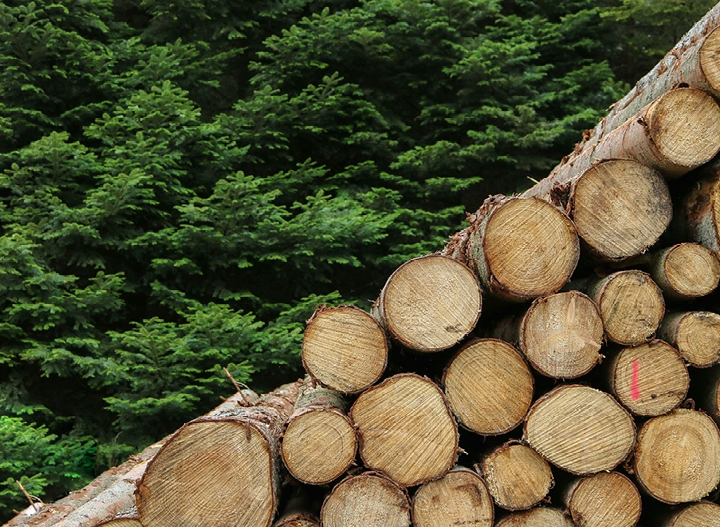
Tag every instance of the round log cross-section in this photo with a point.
(344, 348)
(695, 334)
(607, 499)
(686, 270)
(563, 424)
(537, 517)
(701, 514)
(405, 429)
(430, 303)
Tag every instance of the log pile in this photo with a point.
(556, 364)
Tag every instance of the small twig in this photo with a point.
(30, 498)
(237, 385)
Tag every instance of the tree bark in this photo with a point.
(460, 497)
(677, 458)
(560, 334)
(489, 386)
(405, 430)
(344, 348)
(517, 477)
(220, 469)
(520, 248)
(366, 500)
(607, 499)
(631, 306)
(319, 419)
(580, 429)
(127, 518)
(695, 334)
(650, 379)
(430, 303)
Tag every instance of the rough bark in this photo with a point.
(650, 379)
(580, 429)
(695, 334)
(489, 386)
(366, 500)
(344, 348)
(631, 306)
(560, 334)
(520, 248)
(405, 430)
(460, 497)
(220, 469)
(126, 518)
(517, 477)
(318, 420)
(677, 458)
(430, 303)
(607, 499)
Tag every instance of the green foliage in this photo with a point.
(183, 182)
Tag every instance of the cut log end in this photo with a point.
(517, 477)
(631, 306)
(405, 429)
(210, 473)
(366, 500)
(685, 128)
(529, 249)
(580, 429)
(701, 514)
(489, 387)
(537, 517)
(710, 59)
(326, 427)
(695, 334)
(431, 303)
(607, 499)
(297, 520)
(345, 349)
(621, 208)
(677, 458)
(687, 270)
(650, 379)
(561, 335)
(458, 498)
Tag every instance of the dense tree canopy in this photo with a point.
(183, 182)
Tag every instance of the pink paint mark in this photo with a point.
(634, 381)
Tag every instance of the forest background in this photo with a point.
(182, 182)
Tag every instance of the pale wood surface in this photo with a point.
(703, 514)
(685, 271)
(517, 477)
(677, 458)
(649, 379)
(563, 423)
(430, 303)
(695, 334)
(405, 429)
(460, 497)
(489, 386)
(607, 499)
(366, 500)
(537, 517)
(344, 348)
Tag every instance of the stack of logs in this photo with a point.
(556, 364)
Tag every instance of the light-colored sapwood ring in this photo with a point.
(430, 303)
(620, 208)
(525, 248)
(218, 472)
(686, 270)
(607, 499)
(344, 348)
(366, 500)
(405, 429)
(319, 445)
(561, 335)
(458, 498)
(703, 514)
(649, 379)
(695, 334)
(489, 387)
(701, 209)
(517, 477)
(537, 517)
(580, 429)
(677, 458)
(631, 306)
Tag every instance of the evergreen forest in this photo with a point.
(182, 182)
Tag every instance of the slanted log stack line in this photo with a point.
(557, 363)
